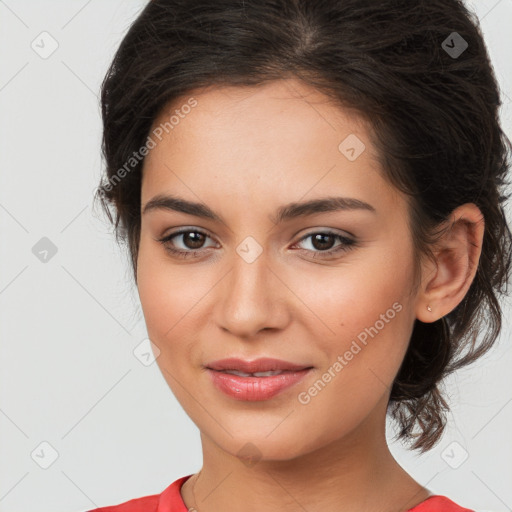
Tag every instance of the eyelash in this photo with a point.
(347, 244)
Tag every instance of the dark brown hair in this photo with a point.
(434, 116)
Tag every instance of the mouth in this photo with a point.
(259, 374)
(262, 367)
(256, 386)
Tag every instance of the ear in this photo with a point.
(446, 280)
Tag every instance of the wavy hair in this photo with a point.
(434, 119)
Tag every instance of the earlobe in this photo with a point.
(457, 254)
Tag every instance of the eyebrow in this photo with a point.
(284, 213)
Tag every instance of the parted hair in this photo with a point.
(434, 118)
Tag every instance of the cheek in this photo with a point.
(361, 312)
(167, 299)
(171, 297)
(163, 292)
(372, 325)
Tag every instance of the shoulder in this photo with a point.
(169, 500)
(144, 504)
(439, 503)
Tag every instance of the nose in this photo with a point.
(251, 298)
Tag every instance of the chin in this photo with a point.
(262, 447)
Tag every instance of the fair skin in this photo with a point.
(244, 153)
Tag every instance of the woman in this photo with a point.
(311, 194)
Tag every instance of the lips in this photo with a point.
(260, 379)
(255, 366)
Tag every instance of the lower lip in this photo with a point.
(255, 388)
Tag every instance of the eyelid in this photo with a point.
(347, 242)
(183, 230)
(316, 230)
(330, 231)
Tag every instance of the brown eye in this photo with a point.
(191, 240)
(322, 243)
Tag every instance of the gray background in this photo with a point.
(69, 325)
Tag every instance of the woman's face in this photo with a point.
(324, 288)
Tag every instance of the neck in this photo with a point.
(357, 471)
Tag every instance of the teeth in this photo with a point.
(256, 374)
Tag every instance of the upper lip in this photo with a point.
(264, 364)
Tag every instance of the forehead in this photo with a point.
(286, 103)
(280, 136)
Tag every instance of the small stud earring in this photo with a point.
(429, 308)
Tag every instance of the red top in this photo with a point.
(170, 500)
